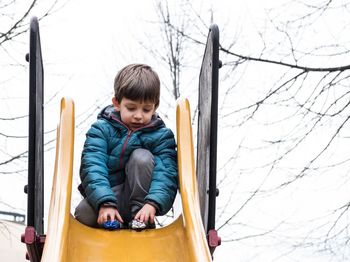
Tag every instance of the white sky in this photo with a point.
(87, 42)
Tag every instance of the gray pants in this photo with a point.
(130, 195)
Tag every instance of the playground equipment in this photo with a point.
(191, 237)
(34, 237)
(207, 135)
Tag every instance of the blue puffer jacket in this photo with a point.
(107, 148)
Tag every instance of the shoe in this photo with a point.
(137, 225)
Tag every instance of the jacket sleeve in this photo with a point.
(164, 182)
(94, 169)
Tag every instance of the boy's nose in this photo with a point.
(138, 115)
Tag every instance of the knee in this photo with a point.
(85, 214)
(142, 158)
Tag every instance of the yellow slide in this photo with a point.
(68, 240)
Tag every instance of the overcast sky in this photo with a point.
(85, 43)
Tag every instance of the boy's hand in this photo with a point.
(108, 213)
(146, 214)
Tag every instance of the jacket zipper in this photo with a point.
(130, 132)
(124, 147)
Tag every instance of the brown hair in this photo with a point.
(137, 82)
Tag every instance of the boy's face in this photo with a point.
(134, 114)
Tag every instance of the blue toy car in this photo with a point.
(111, 225)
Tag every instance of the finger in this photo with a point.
(100, 219)
(106, 217)
(142, 217)
(151, 218)
(146, 217)
(137, 216)
(119, 218)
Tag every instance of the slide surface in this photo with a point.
(68, 240)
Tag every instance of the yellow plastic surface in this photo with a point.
(68, 240)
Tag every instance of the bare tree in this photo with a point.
(173, 47)
(285, 102)
(17, 24)
(13, 31)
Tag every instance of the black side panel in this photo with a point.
(207, 129)
(35, 188)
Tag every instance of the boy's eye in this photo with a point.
(146, 110)
(130, 108)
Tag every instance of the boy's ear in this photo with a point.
(116, 104)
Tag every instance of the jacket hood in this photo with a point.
(109, 113)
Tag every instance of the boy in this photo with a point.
(128, 165)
